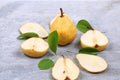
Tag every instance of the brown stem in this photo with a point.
(63, 56)
(61, 12)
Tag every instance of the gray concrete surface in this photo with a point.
(103, 15)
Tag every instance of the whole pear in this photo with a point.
(65, 27)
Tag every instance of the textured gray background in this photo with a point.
(103, 15)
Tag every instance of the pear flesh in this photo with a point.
(34, 27)
(65, 69)
(92, 63)
(94, 39)
(65, 28)
(35, 47)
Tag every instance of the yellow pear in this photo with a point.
(35, 47)
(92, 63)
(94, 39)
(65, 28)
(65, 69)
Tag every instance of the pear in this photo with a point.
(92, 63)
(34, 27)
(35, 47)
(65, 27)
(94, 39)
(65, 69)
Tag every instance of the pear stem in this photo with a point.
(63, 56)
(61, 12)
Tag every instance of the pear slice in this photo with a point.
(35, 47)
(92, 63)
(65, 69)
(94, 39)
(34, 27)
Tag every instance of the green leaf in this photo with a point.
(53, 41)
(45, 64)
(27, 35)
(89, 50)
(84, 26)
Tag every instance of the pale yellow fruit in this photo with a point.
(94, 39)
(35, 47)
(65, 28)
(34, 27)
(65, 69)
(92, 63)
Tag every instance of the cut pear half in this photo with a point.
(35, 47)
(34, 27)
(92, 63)
(65, 69)
(94, 39)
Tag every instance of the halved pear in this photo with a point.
(65, 69)
(34, 27)
(94, 39)
(92, 63)
(35, 47)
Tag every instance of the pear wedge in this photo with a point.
(35, 47)
(92, 63)
(94, 39)
(34, 27)
(65, 69)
